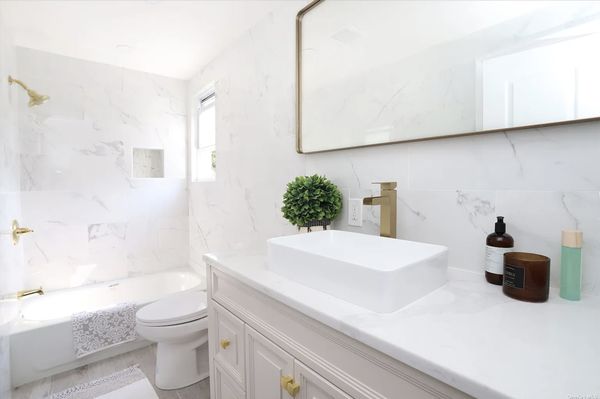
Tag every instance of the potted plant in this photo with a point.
(311, 201)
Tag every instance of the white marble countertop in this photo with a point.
(466, 334)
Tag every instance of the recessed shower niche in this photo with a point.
(148, 163)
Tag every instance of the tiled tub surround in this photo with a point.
(93, 221)
(466, 334)
(449, 190)
(11, 257)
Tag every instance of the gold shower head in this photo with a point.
(35, 98)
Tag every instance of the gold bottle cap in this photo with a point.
(572, 238)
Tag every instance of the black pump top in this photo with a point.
(500, 226)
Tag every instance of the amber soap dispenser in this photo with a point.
(497, 244)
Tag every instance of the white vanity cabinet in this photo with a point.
(224, 387)
(266, 365)
(272, 373)
(314, 386)
(262, 349)
(228, 334)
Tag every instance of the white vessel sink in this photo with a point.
(377, 273)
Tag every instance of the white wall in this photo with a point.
(93, 221)
(450, 190)
(254, 82)
(11, 257)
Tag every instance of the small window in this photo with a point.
(204, 157)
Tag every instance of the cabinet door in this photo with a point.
(225, 387)
(228, 342)
(266, 363)
(313, 386)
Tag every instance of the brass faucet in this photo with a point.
(24, 293)
(388, 202)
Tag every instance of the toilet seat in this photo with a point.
(179, 308)
(191, 332)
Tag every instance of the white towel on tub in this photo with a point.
(101, 329)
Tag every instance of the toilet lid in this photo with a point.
(179, 308)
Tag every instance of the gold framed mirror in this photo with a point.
(382, 72)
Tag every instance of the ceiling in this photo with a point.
(169, 38)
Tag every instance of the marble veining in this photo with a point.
(11, 257)
(255, 140)
(474, 207)
(97, 231)
(466, 334)
(93, 221)
(542, 180)
(449, 191)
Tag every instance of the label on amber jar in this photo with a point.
(514, 276)
(494, 259)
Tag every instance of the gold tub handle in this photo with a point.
(18, 231)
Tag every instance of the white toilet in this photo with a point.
(179, 324)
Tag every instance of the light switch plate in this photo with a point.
(355, 208)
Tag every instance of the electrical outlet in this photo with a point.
(355, 208)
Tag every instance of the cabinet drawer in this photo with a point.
(225, 387)
(227, 341)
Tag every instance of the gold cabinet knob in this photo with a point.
(287, 383)
(292, 388)
(225, 343)
(285, 380)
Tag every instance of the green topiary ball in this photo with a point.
(311, 198)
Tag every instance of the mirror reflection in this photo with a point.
(455, 68)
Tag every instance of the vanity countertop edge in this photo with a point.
(466, 334)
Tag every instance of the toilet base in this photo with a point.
(178, 366)
(182, 348)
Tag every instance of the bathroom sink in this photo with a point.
(377, 273)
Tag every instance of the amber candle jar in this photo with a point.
(526, 276)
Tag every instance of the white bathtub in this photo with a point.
(41, 342)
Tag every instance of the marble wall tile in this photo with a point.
(94, 221)
(448, 193)
(458, 219)
(11, 257)
(254, 81)
(537, 217)
(551, 158)
(449, 190)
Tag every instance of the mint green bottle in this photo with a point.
(570, 265)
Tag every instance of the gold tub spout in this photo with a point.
(24, 293)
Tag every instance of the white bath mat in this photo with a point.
(130, 383)
(141, 389)
(102, 329)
